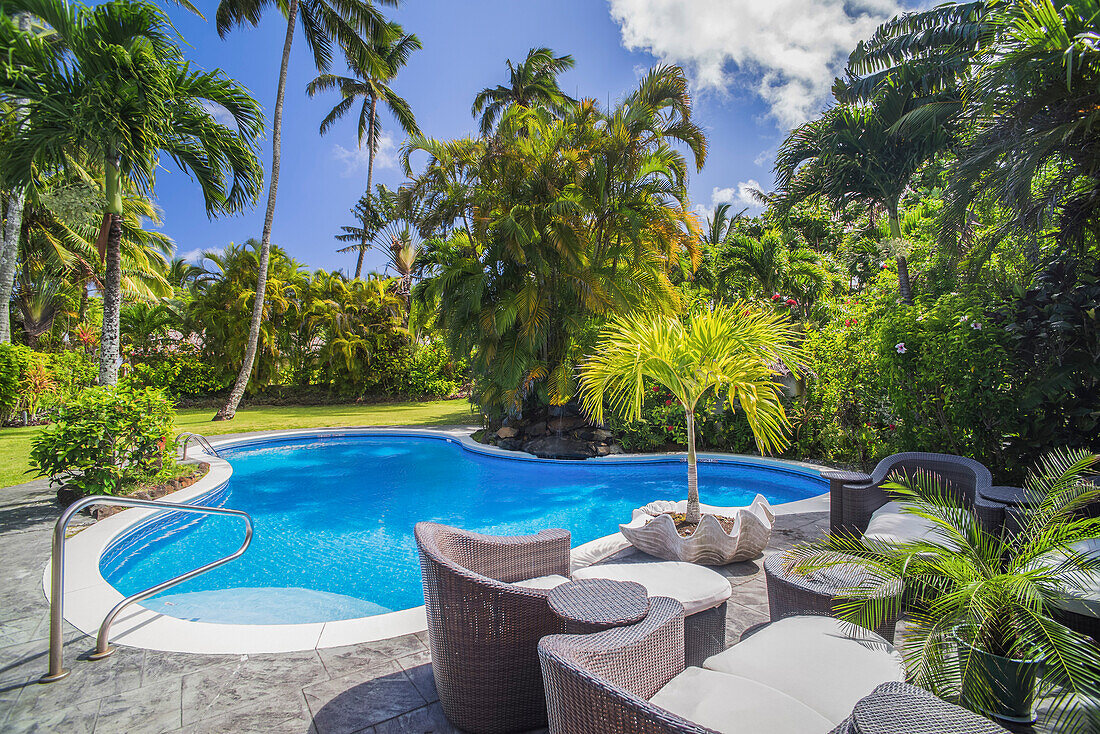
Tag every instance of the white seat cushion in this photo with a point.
(890, 524)
(733, 704)
(696, 587)
(1086, 600)
(823, 662)
(596, 550)
(542, 582)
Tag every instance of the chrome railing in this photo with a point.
(198, 438)
(57, 574)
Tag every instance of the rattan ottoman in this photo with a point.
(791, 594)
(702, 591)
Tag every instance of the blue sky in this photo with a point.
(757, 67)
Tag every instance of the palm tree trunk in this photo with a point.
(9, 254)
(230, 408)
(365, 243)
(110, 358)
(13, 226)
(692, 514)
(905, 289)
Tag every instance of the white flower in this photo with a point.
(900, 346)
(975, 325)
(964, 319)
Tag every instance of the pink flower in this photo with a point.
(884, 266)
(975, 325)
(892, 427)
(655, 388)
(668, 402)
(668, 428)
(900, 347)
(792, 302)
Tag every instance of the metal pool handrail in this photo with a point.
(201, 440)
(57, 574)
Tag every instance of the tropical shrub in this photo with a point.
(432, 371)
(181, 372)
(105, 437)
(945, 370)
(661, 424)
(15, 361)
(72, 370)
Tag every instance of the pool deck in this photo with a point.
(370, 688)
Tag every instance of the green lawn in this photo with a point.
(15, 443)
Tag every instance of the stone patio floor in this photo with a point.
(370, 688)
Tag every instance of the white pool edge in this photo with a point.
(88, 597)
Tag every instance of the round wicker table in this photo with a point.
(838, 478)
(1013, 502)
(591, 605)
(791, 594)
(893, 712)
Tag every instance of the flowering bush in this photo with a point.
(663, 426)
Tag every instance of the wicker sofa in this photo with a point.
(624, 679)
(483, 628)
(858, 504)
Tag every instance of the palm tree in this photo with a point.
(347, 22)
(122, 94)
(533, 83)
(375, 66)
(732, 348)
(776, 262)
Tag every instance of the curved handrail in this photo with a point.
(201, 440)
(57, 573)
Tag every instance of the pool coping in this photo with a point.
(89, 597)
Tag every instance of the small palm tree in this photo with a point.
(534, 82)
(999, 594)
(734, 348)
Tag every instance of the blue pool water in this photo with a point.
(334, 520)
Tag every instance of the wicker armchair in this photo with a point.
(965, 478)
(482, 631)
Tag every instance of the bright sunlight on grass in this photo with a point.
(15, 443)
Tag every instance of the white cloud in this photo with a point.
(739, 195)
(355, 160)
(786, 51)
(219, 113)
(192, 256)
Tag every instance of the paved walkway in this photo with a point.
(372, 688)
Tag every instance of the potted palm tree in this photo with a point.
(983, 608)
(732, 350)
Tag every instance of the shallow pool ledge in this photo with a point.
(89, 597)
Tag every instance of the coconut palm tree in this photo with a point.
(347, 22)
(375, 65)
(121, 94)
(777, 262)
(862, 154)
(732, 348)
(534, 82)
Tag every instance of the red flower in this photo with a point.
(847, 322)
(777, 297)
(668, 428)
(892, 426)
(668, 402)
(655, 388)
(792, 302)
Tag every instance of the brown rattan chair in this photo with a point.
(602, 682)
(482, 631)
(965, 479)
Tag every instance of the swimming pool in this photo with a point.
(334, 517)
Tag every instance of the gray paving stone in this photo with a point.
(159, 665)
(426, 720)
(151, 710)
(285, 711)
(31, 715)
(340, 661)
(419, 669)
(22, 629)
(355, 702)
(223, 688)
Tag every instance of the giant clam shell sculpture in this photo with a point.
(653, 531)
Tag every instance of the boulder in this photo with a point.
(554, 447)
(614, 449)
(566, 423)
(537, 429)
(507, 432)
(603, 450)
(601, 434)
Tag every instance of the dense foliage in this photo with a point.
(104, 437)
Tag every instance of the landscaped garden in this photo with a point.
(915, 296)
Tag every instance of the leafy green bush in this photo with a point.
(15, 362)
(431, 371)
(946, 373)
(72, 370)
(662, 425)
(181, 372)
(104, 438)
